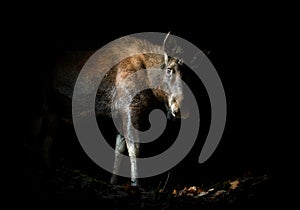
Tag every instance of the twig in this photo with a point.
(166, 181)
(159, 185)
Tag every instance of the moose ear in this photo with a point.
(166, 59)
(171, 47)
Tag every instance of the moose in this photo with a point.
(109, 95)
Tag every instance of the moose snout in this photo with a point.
(175, 110)
(175, 107)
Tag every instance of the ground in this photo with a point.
(243, 192)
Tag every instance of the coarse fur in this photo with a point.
(111, 94)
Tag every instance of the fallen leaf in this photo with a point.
(219, 192)
(234, 184)
(192, 189)
(202, 194)
(199, 190)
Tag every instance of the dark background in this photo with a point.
(242, 53)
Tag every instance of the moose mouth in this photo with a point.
(174, 112)
(171, 115)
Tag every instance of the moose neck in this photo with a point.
(160, 95)
(155, 62)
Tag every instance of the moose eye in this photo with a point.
(169, 71)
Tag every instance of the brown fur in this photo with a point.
(110, 97)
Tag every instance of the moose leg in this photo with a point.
(133, 145)
(129, 120)
(133, 151)
(119, 150)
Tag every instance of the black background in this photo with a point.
(241, 49)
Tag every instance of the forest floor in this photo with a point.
(245, 192)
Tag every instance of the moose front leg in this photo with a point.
(133, 151)
(119, 150)
(132, 143)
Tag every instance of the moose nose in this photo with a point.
(175, 110)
